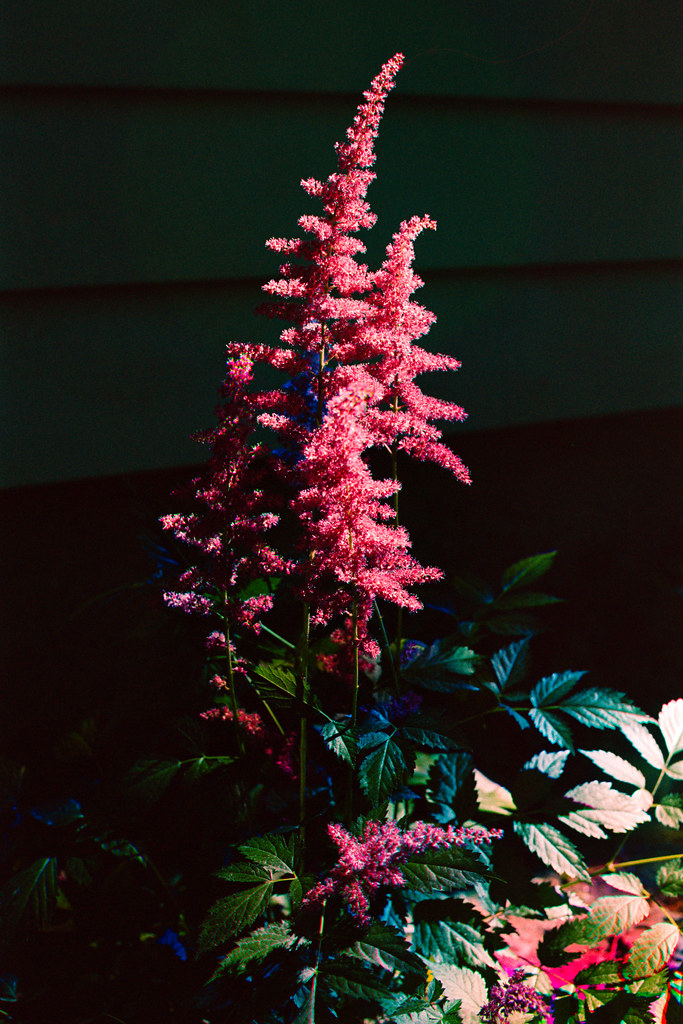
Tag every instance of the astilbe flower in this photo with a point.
(230, 530)
(374, 861)
(514, 997)
(406, 419)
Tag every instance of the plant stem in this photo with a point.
(231, 675)
(387, 645)
(643, 860)
(303, 720)
(271, 632)
(310, 1019)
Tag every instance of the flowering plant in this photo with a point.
(366, 871)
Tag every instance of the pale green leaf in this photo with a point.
(601, 708)
(272, 852)
(386, 947)
(276, 682)
(669, 815)
(580, 822)
(670, 877)
(616, 766)
(612, 915)
(626, 881)
(675, 771)
(608, 807)
(652, 950)
(549, 762)
(463, 984)
(644, 742)
(553, 848)
(341, 740)
(448, 941)
(671, 723)
(445, 870)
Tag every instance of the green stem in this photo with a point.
(271, 632)
(310, 1019)
(634, 863)
(387, 645)
(303, 721)
(231, 675)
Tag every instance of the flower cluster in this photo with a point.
(374, 861)
(514, 997)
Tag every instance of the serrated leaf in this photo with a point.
(451, 780)
(152, 778)
(448, 941)
(652, 950)
(553, 848)
(441, 870)
(675, 771)
(427, 739)
(356, 982)
(462, 984)
(272, 852)
(549, 762)
(341, 740)
(625, 881)
(275, 683)
(644, 742)
(232, 914)
(670, 877)
(606, 972)
(256, 946)
(491, 796)
(29, 895)
(671, 723)
(602, 709)
(552, 727)
(616, 766)
(386, 947)
(550, 689)
(612, 915)
(510, 663)
(435, 668)
(527, 599)
(527, 570)
(606, 806)
(583, 824)
(383, 771)
(669, 815)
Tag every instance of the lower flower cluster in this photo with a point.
(374, 861)
(513, 998)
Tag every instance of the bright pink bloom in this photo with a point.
(374, 861)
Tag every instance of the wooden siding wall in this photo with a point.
(149, 149)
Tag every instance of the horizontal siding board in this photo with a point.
(614, 50)
(116, 380)
(103, 190)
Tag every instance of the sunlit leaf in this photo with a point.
(550, 689)
(272, 851)
(612, 915)
(445, 870)
(652, 950)
(644, 742)
(625, 881)
(553, 848)
(606, 806)
(670, 877)
(669, 814)
(550, 725)
(602, 709)
(256, 946)
(671, 723)
(386, 947)
(275, 682)
(616, 766)
(549, 762)
(463, 984)
(445, 940)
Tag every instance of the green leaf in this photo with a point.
(441, 870)
(451, 784)
(510, 663)
(462, 984)
(276, 683)
(602, 709)
(256, 946)
(427, 739)
(652, 950)
(203, 765)
(435, 668)
(345, 978)
(549, 690)
(232, 914)
(29, 895)
(625, 881)
(616, 766)
(383, 771)
(606, 972)
(671, 723)
(272, 852)
(386, 947)
(341, 739)
(670, 877)
(527, 599)
(528, 570)
(612, 915)
(553, 848)
(549, 762)
(552, 727)
(669, 812)
(150, 779)
(445, 940)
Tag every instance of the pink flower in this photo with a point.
(374, 861)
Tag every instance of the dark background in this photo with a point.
(151, 148)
